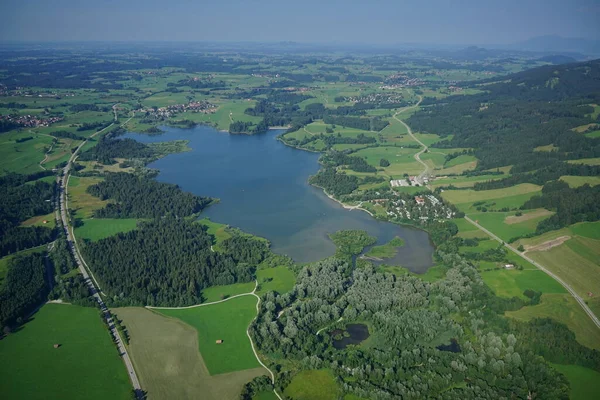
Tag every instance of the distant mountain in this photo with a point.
(552, 43)
(557, 59)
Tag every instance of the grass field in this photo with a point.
(100, 228)
(506, 226)
(565, 309)
(227, 321)
(168, 363)
(86, 366)
(279, 279)
(472, 196)
(512, 282)
(216, 293)
(38, 220)
(313, 385)
(576, 181)
(80, 201)
(22, 157)
(217, 230)
(585, 382)
(586, 161)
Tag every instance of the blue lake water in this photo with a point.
(263, 189)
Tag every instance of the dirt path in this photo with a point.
(410, 132)
(547, 245)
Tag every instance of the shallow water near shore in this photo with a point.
(263, 189)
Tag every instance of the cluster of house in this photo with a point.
(408, 82)
(30, 121)
(421, 208)
(376, 98)
(203, 107)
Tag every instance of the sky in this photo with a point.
(382, 22)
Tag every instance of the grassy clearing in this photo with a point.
(387, 250)
(99, 228)
(586, 161)
(87, 365)
(81, 201)
(576, 181)
(458, 169)
(168, 363)
(217, 230)
(313, 385)
(227, 321)
(565, 309)
(463, 181)
(216, 293)
(279, 279)
(585, 382)
(38, 220)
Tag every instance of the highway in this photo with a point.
(63, 207)
(554, 276)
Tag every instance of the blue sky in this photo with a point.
(312, 21)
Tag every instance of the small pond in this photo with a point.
(453, 347)
(355, 334)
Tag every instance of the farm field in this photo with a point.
(507, 226)
(168, 363)
(100, 228)
(586, 161)
(38, 220)
(225, 321)
(576, 181)
(462, 197)
(86, 365)
(313, 385)
(22, 157)
(564, 309)
(512, 282)
(585, 382)
(279, 279)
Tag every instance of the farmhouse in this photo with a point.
(420, 200)
(219, 341)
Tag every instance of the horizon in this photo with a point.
(382, 22)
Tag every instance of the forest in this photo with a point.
(143, 197)
(108, 149)
(167, 262)
(23, 289)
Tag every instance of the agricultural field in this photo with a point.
(511, 197)
(99, 228)
(168, 363)
(512, 282)
(313, 385)
(507, 225)
(86, 365)
(80, 201)
(586, 161)
(227, 321)
(47, 220)
(576, 181)
(564, 309)
(24, 157)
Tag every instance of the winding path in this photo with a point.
(252, 293)
(410, 132)
(581, 302)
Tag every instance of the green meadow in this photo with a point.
(227, 321)
(313, 385)
(99, 228)
(86, 365)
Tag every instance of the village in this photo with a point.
(203, 107)
(30, 121)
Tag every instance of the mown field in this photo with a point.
(279, 279)
(86, 365)
(100, 228)
(225, 321)
(585, 382)
(168, 363)
(511, 197)
(313, 385)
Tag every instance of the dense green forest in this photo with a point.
(108, 149)
(167, 262)
(23, 289)
(19, 202)
(143, 197)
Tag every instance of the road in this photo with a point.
(554, 276)
(63, 207)
(410, 132)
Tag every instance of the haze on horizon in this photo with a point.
(310, 21)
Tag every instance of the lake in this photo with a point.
(356, 334)
(263, 189)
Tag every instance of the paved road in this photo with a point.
(558, 279)
(63, 206)
(410, 132)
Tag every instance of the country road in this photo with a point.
(554, 276)
(410, 132)
(63, 207)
